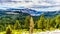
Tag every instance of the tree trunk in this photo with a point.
(31, 30)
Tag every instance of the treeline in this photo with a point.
(48, 23)
(19, 23)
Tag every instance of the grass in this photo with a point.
(24, 31)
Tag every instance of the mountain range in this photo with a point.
(28, 11)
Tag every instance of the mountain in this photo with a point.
(52, 13)
(28, 11)
(34, 12)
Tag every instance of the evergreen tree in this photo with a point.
(48, 23)
(9, 31)
(52, 22)
(40, 23)
(17, 25)
(1, 28)
(57, 21)
(26, 22)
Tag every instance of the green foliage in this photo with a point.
(1, 28)
(23, 22)
(17, 25)
(48, 23)
(57, 21)
(8, 31)
(40, 23)
(26, 22)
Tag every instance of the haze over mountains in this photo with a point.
(28, 11)
(34, 6)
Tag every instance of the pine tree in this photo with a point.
(48, 24)
(17, 25)
(40, 23)
(1, 28)
(57, 20)
(52, 23)
(26, 22)
(9, 31)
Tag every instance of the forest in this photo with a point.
(19, 22)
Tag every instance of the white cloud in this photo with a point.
(47, 9)
(34, 3)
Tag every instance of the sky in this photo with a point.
(38, 5)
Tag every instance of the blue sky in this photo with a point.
(39, 5)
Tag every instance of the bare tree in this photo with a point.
(31, 25)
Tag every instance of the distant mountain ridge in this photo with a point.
(26, 10)
(30, 11)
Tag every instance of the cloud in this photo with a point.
(39, 5)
